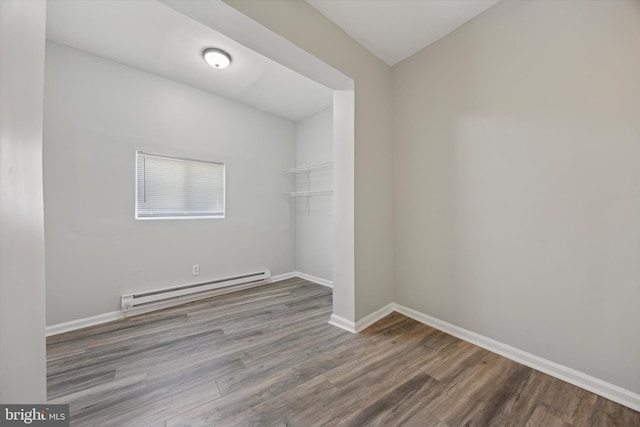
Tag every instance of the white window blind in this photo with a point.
(170, 187)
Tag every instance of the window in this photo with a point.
(170, 187)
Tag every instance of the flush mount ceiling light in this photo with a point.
(217, 58)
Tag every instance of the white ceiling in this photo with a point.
(152, 37)
(395, 29)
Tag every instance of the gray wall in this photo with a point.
(517, 181)
(373, 238)
(314, 217)
(97, 113)
(22, 303)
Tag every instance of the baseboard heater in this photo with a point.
(143, 299)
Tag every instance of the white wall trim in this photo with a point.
(283, 276)
(365, 322)
(564, 373)
(84, 322)
(342, 323)
(98, 319)
(314, 279)
(372, 318)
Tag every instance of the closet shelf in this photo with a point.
(308, 168)
(308, 193)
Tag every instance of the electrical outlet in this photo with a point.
(195, 270)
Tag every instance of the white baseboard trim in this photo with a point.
(284, 276)
(118, 314)
(365, 322)
(315, 279)
(84, 323)
(372, 318)
(342, 323)
(564, 373)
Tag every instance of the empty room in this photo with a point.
(320, 212)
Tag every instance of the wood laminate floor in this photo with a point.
(267, 356)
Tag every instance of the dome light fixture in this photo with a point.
(217, 58)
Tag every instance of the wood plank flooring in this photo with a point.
(267, 357)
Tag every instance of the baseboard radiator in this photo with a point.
(142, 300)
